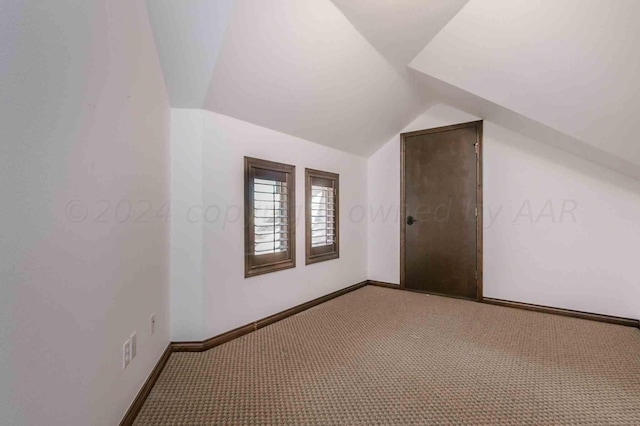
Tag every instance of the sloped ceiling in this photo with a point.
(460, 99)
(572, 65)
(296, 66)
(399, 30)
(188, 37)
(300, 67)
(351, 74)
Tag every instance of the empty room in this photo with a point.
(319, 212)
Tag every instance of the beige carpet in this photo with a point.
(379, 356)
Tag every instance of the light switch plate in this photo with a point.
(134, 345)
(126, 354)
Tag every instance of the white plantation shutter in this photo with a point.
(323, 219)
(322, 216)
(271, 218)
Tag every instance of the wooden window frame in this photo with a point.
(328, 252)
(272, 262)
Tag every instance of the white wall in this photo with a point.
(230, 300)
(583, 260)
(83, 116)
(186, 228)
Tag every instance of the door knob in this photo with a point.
(410, 220)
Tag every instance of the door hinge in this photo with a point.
(476, 145)
(476, 211)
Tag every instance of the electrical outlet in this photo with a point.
(134, 345)
(126, 353)
(153, 323)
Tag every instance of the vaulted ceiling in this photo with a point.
(351, 74)
(300, 67)
(572, 65)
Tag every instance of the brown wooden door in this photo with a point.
(441, 199)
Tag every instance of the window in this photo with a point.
(270, 222)
(322, 213)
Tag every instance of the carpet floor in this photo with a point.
(379, 356)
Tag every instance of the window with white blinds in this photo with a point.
(321, 216)
(271, 219)
(323, 219)
(269, 216)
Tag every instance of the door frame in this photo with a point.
(403, 214)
